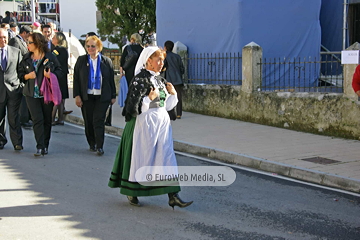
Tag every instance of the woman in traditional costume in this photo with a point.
(147, 137)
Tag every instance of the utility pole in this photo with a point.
(344, 24)
(33, 11)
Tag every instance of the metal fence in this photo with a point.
(214, 68)
(115, 56)
(323, 74)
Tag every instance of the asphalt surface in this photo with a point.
(275, 150)
(64, 195)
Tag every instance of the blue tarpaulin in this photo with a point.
(331, 20)
(283, 28)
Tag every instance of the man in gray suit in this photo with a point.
(20, 42)
(10, 92)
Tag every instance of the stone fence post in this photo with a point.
(348, 71)
(251, 69)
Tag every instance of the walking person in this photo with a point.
(147, 137)
(32, 70)
(108, 117)
(61, 52)
(20, 42)
(94, 89)
(135, 45)
(173, 74)
(10, 92)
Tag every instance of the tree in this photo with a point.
(121, 18)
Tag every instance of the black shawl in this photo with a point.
(139, 88)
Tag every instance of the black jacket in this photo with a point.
(26, 66)
(81, 77)
(139, 88)
(129, 74)
(174, 68)
(62, 57)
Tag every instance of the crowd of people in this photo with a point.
(30, 56)
(35, 57)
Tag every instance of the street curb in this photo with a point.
(303, 174)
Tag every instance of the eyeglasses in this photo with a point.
(90, 46)
(30, 42)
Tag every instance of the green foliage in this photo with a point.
(121, 18)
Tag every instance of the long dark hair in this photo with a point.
(39, 42)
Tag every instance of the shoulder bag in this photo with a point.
(130, 59)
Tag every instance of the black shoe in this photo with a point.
(39, 152)
(68, 112)
(133, 201)
(46, 151)
(18, 148)
(92, 149)
(175, 200)
(2, 145)
(100, 151)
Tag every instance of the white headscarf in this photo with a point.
(145, 54)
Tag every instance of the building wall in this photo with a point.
(8, 6)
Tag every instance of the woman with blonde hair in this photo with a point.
(147, 137)
(61, 52)
(94, 90)
(134, 46)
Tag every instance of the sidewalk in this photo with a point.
(276, 150)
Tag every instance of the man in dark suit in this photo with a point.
(173, 74)
(47, 32)
(20, 42)
(7, 17)
(10, 92)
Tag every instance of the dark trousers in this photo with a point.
(41, 117)
(94, 112)
(179, 91)
(24, 111)
(11, 105)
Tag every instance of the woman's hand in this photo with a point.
(153, 94)
(78, 101)
(30, 75)
(47, 73)
(113, 101)
(170, 88)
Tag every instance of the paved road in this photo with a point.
(65, 196)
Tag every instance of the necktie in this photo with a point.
(3, 59)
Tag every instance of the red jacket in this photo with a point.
(356, 79)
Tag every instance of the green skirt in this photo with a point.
(121, 170)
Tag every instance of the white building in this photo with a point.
(79, 16)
